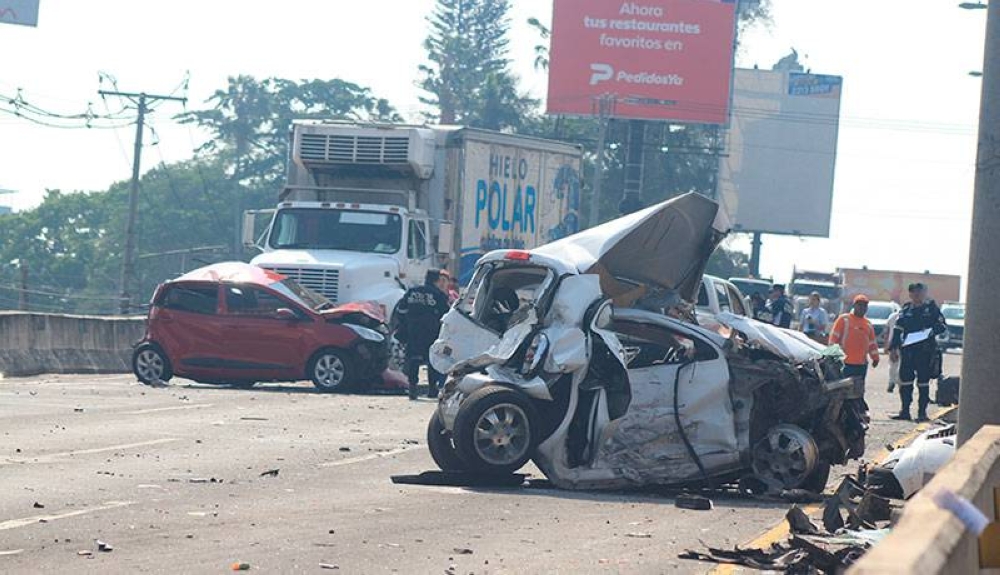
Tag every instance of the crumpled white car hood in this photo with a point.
(786, 343)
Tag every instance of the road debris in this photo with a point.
(460, 479)
(462, 550)
(38, 505)
(270, 473)
(639, 535)
(692, 501)
(799, 522)
(328, 566)
(908, 469)
(104, 547)
(85, 553)
(240, 566)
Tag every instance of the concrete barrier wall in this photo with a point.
(930, 540)
(34, 343)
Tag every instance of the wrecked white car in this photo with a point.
(575, 355)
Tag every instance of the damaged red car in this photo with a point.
(237, 324)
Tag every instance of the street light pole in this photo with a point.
(979, 401)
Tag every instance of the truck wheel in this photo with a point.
(150, 365)
(440, 445)
(331, 371)
(495, 431)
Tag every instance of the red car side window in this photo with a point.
(193, 299)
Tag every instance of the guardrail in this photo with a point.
(35, 343)
(931, 540)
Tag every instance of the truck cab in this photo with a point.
(354, 221)
(349, 252)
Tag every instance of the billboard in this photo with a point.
(657, 59)
(777, 173)
(24, 12)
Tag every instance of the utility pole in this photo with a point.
(755, 244)
(23, 300)
(604, 109)
(142, 101)
(979, 401)
(634, 156)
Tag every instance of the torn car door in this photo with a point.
(670, 364)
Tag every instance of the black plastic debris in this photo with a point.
(693, 501)
(799, 523)
(460, 479)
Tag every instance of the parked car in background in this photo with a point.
(237, 324)
(715, 296)
(878, 315)
(954, 316)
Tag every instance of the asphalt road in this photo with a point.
(174, 480)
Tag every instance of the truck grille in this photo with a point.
(341, 149)
(325, 282)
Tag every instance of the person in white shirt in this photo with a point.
(890, 325)
(814, 321)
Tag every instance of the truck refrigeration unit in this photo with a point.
(368, 209)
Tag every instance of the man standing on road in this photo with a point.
(856, 336)
(781, 307)
(420, 312)
(914, 342)
(814, 320)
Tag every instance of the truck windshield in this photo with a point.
(331, 229)
(826, 291)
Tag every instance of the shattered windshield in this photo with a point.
(501, 294)
(301, 295)
(329, 229)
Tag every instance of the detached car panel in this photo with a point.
(577, 355)
(234, 323)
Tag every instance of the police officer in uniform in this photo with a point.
(419, 314)
(917, 360)
(781, 307)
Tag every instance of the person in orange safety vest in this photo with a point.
(856, 336)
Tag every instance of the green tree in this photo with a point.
(249, 120)
(468, 77)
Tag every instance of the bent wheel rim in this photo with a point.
(502, 434)
(785, 456)
(149, 364)
(330, 371)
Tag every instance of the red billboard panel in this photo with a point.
(655, 59)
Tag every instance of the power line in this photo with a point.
(128, 262)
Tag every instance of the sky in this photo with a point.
(905, 158)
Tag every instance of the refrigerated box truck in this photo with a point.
(368, 209)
